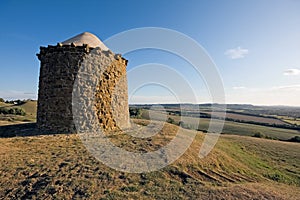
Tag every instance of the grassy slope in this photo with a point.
(238, 168)
(2, 104)
(30, 107)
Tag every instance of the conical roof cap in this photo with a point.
(86, 38)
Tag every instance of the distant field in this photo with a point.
(249, 129)
(291, 120)
(234, 115)
(231, 127)
(249, 118)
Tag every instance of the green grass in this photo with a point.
(274, 160)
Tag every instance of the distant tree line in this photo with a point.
(16, 101)
(295, 139)
(136, 112)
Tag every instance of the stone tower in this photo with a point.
(59, 68)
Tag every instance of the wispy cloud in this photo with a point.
(236, 53)
(12, 94)
(291, 72)
(287, 88)
(238, 87)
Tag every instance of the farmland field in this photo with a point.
(291, 120)
(249, 118)
(229, 126)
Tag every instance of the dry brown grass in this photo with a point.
(60, 167)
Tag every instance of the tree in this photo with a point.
(171, 120)
(135, 112)
(181, 123)
(2, 100)
(12, 111)
(259, 135)
(295, 139)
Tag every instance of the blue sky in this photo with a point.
(255, 44)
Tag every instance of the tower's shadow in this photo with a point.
(28, 129)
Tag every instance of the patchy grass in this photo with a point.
(60, 167)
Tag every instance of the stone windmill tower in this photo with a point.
(59, 68)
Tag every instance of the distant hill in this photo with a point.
(242, 108)
(30, 108)
(2, 104)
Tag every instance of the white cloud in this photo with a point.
(236, 53)
(291, 72)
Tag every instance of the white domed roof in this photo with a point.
(86, 38)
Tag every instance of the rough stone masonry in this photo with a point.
(61, 64)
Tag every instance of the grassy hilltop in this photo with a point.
(59, 166)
